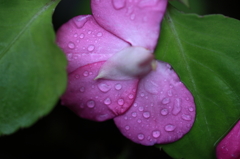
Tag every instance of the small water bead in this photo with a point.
(164, 111)
(104, 87)
(190, 109)
(135, 104)
(99, 34)
(134, 90)
(142, 94)
(146, 115)
(140, 136)
(120, 101)
(170, 93)
(169, 127)
(77, 76)
(139, 120)
(90, 104)
(156, 134)
(140, 109)
(127, 127)
(130, 96)
(132, 17)
(85, 73)
(118, 4)
(134, 114)
(107, 101)
(89, 32)
(75, 35)
(91, 48)
(71, 45)
(82, 89)
(186, 117)
(166, 101)
(118, 86)
(177, 106)
(81, 35)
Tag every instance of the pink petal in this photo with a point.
(135, 21)
(97, 100)
(229, 147)
(163, 110)
(84, 41)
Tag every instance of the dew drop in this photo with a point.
(76, 76)
(140, 136)
(118, 4)
(170, 93)
(177, 106)
(132, 17)
(80, 21)
(99, 34)
(127, 127)
(140, 109)
(82, 89)
(142, 94)
(139, 121)
(156, 134)
(134, 114)
(104, 87)
(165, 101)
(164, 111)
(85, 73)
(130, 96)
(71, 45)
(120, 101)
(75, 35)
(118, 86)
(89, 32)
(107, 101)
(90, 104)
(151, 87)
(190, 109)
(186, 117)
(135, 104)
(169, 127)
(81, 35)
(91, 48)
(146, 115)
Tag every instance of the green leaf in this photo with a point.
(185, 2)
(205, 52)
(32, 67)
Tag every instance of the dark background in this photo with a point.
(62, 134)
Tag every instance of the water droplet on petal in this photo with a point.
(71, 45)
(135, 104)
(118, 4)
(169, 127)
(91, 48)
(75, 35)
(146, 115)
(104, 87)
(164, 111)
(140, 109)
(190, 109)
(77, 76)
(99, 34)
(120, 101)
(165, 101)
(90, 104)
(156, 134)
(107, 101)
(186, 117)
(81, 36)
(127, 127)
(130, 96)
(177, 106)
(89, 32)
(82, 89)
(132, 17)
(85, 73)
(134, 114)
(140, 136)
(139, 121)
(142, 94)
(170, 93)
(118, 86)
(80, 21)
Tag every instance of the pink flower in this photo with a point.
(229, 147)
(112, 73)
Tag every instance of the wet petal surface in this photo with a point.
(84, 41)
(163, 111)
(98, 100)
(135, 21)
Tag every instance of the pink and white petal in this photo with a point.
(229, 147)
(98, 100)
(135, 21)
(163, 110)
(84, 41)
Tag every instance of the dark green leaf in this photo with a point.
(32, 68)
(205, 52)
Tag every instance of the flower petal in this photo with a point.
(229, 147)
(97, 100)
(84, 41)
(163, 110)
(135, 21)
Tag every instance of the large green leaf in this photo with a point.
(32, 68)
(205, 52)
